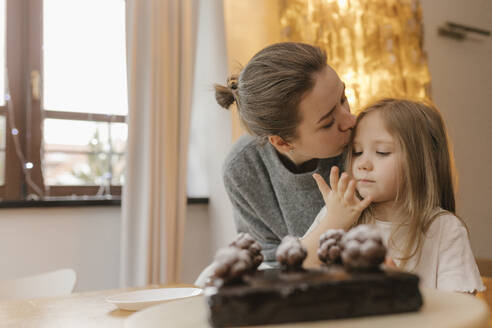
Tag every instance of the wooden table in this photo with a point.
(88, 309)
(487, 296)
(91, 310)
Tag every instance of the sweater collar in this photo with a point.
(300, 181)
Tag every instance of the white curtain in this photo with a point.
(160, 57)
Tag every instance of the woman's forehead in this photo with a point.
(326, 93)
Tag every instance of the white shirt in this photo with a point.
(447, 262)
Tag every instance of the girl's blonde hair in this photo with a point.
(427, 176)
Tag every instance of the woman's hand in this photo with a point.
(343, 207)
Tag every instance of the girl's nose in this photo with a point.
(347, 121)
(364, 163)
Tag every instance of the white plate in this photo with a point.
(140, 299)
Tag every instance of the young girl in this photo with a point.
(399, 160)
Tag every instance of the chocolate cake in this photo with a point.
(352, 285)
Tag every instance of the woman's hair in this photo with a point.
(269, 89)
(427, 178)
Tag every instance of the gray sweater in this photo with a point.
(269, 201)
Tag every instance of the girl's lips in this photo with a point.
(365, 181)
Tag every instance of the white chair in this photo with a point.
(54, 283)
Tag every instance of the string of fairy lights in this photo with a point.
(27, 166)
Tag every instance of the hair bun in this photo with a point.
(225, 95)
(232, 83)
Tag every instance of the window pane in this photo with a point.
(2, 53)
(79, 152)
(2, 167)
(79, 136)
(2, 149)
(84, 56)
(119, 135)
(3, 132)
(118, 169)
(75, 169)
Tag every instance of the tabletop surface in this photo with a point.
(487, 297)
(90, 309)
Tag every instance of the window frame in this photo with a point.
(15, 43)
(24, 30)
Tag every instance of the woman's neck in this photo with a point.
(298, 166)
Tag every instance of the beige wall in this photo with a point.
(251, 26)
(87, 239)
(461, 86)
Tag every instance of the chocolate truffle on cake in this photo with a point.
(329, 250)
(229, 265)
(245, 241)
(362, 248)
(290, 253)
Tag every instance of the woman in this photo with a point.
(294, 106)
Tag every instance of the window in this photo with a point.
(2, 93)
(84, 100)
(63, 128)
(68, 136)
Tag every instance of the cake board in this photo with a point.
(440, 309)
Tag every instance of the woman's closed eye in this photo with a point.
(356, 153)
(343, 100)
(383, 153)
(329, 125)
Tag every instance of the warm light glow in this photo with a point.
(375, 46)
(342, 4)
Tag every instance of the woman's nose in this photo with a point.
(347, 121)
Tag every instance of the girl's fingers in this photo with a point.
(349, 195)
(389, 262)
(322, 185)
(365, 202)
(342, 184)
(334, 178)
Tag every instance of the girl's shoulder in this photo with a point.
(446, 222)
(445, 216)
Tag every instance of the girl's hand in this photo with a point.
(390, 263)
(343, 208)
(342, 205)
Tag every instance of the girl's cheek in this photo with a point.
(354, 163)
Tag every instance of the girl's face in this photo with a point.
(376, 159)
(326, 121)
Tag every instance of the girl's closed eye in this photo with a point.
(383, 153)
(356, 153)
